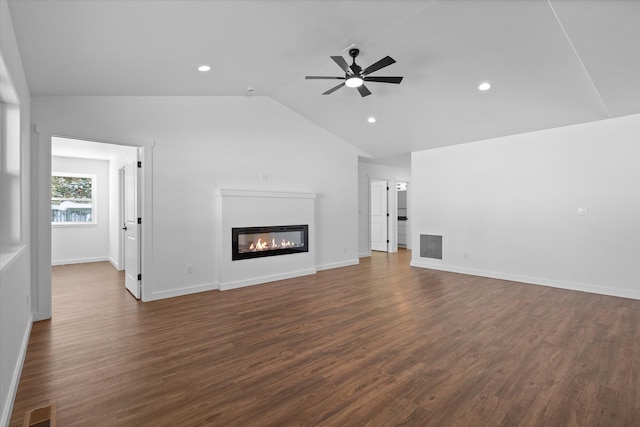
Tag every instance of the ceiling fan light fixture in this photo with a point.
(204, 68)
(484, 86)
(354, 81)
(354, 75)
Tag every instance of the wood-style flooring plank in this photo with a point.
(377, 344)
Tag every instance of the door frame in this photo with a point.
(41, 236)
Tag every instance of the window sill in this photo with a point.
(73, 224)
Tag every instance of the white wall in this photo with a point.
(15, 268)
(366, 172)
(72, 244)
(194, 145)
(510, 204)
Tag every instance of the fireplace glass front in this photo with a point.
(256, 242)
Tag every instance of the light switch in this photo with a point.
(582, 211)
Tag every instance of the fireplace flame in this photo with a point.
(264, 246)
(259, 246)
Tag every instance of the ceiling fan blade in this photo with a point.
(341, 63)
(387, 60)
(395, 80)
(322, 77)
(333, 89)
(363, 91)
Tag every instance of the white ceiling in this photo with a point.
(551, 63)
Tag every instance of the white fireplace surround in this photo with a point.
(254, 208)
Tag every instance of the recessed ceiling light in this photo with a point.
(204, 68)
(371, 119)
(484, 86)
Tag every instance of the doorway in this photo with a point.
(403, 228)
(103, 239)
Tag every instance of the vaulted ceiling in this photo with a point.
(551, 63)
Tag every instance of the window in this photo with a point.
(12, 185)
(10, 177)
(73, 198)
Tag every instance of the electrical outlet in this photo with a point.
(189, 269)
(465, 254)
(582, 211)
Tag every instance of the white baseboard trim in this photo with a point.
(364, 254)
(265, 279)
(115, 264)
(178, 292)
(15, 378)
(615, 292)
(79, 260)
(338, 264)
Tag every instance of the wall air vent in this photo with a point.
(430, 246)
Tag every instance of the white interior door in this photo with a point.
(122, 236)
(132, 229)
(379, 216)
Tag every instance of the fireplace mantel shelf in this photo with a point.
(259, 193)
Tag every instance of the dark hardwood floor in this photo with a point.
(378, 344)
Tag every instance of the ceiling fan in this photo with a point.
(355, 76)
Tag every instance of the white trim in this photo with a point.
(15, 378)
(7, 258)
(265, 279)
(115, 264)
(8, 94)
(73, 224)
(364, 254)
(178, 292)
(622, 293)
(338, 264)
(79, 260)
(257, 193)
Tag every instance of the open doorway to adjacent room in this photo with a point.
(95, 206)
(403, 228)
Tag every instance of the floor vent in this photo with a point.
(41, 417)
(430, 246)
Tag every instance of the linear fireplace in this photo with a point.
(257, 242)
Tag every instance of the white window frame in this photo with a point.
(94, 204)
